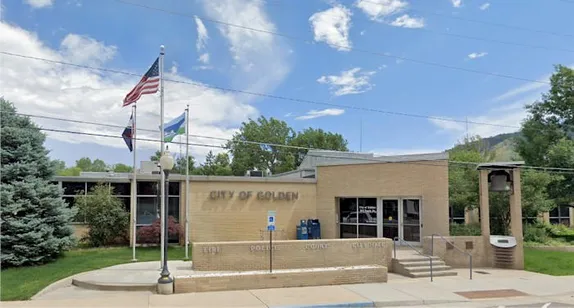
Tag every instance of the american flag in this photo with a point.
(149, 84)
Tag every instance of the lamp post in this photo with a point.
(165, 283)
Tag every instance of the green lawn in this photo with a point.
(557, 263)
(24, 282)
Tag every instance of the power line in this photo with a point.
(157, 131)
(483, 39)
(271, 96)
(485, 22)
(381, 54)
(472, 164)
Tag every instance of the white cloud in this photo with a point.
(48, 89)
(202, 35)
(352, 81)
(456, 3)
(476, 55)
(204, 58)
(289, 114)
(86, 50)
(260, 57)
(38, 4)
(382, 67)
(407, 21)
(173, 69)
(378, 9)
(332, 27)
(312, 114)
(485, 6)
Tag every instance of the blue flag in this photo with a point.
(173, 128)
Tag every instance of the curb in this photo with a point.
(375, 304)
(336, 305)
(91, 285)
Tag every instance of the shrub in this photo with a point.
(535, 233)
(151, 234)
(465, 229)
(105, 215)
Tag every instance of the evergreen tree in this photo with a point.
(35, 220)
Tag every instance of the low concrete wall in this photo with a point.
(481, 252)
(246, 256)
(280, 279)
(80, 230)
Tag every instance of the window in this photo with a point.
(73, 188)
(560, 215)
(148, 188)
(173, 208)
(358, 217)
(148, 210)
(121, 189)
(456, 215)
(174, 188)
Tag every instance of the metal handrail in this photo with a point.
(398, 239)
(457, 248)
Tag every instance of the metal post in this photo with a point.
(187, 183)
(164, 271)
(470, 267)
(134, 192)
(432, 245)
(431, 269)
(270, 251)
(161, 55)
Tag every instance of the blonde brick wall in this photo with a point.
(234, 219)
(265, 280)
(481, 252)
(427, 180)
(254, 255)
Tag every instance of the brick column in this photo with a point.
(516, 219)
(484, 205)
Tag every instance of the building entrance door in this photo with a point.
(401, 218)
(411, 222)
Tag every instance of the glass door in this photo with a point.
(390, 209)
(411, 220)
(358, 217)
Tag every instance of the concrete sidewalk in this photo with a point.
(537, 289)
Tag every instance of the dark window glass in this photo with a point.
(148, 188)
(174, 188)
(368, 211)
(564, 211)
(348, 210)
(173, 208)
(367, 231)
(121, 189)
(148, 210)
(73, 188)
(70, 201)
(555, 212)
(348, 231)
(92, 185)
(554, 221)
(126, 203)
(390, 218)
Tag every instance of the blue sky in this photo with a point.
(325, 63)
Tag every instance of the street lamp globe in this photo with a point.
(166, 161)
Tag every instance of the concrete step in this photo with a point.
(434, 274)
(416, 259)
(417, 269)
(422, 263)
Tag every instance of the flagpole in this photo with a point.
(187, 182)
(134, 185)
(162, 188)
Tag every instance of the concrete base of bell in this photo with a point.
(165, 288)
